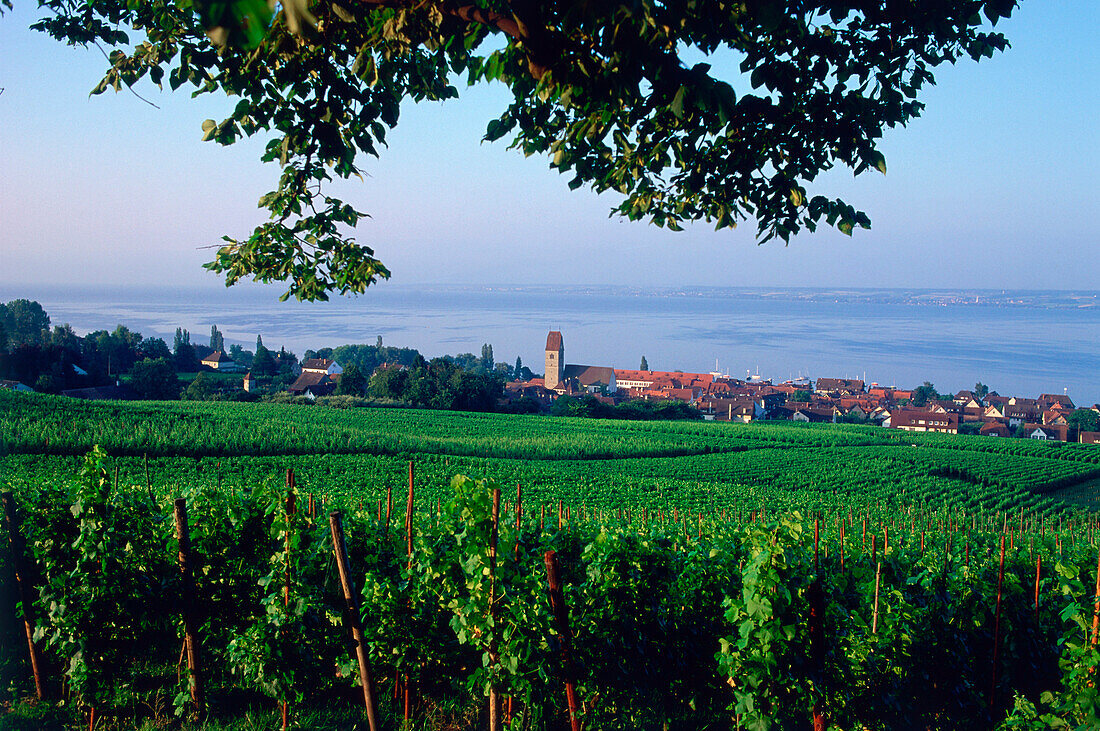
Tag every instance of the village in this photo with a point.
(1050, 417)
(384, 375)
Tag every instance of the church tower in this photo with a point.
(555, 359)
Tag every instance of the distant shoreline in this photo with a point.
(919, 297)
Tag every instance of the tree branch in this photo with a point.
(524, 25)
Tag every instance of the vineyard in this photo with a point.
(249, 566)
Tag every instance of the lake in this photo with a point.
(888, 336)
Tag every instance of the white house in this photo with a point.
(327, 366)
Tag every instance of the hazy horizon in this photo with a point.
(1046, 346)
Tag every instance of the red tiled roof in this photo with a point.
(311, 380)
(588, 375)
(1058, 431)
(839, 384)
(1056, 398)
(920, 417)
(623, 374)
(554, 341)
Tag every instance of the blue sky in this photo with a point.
(991, 188)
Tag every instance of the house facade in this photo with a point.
(219, 361)
(920, 420)
(324, 366)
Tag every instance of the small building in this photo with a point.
(812, 415)
(6, 385)
(102, 393)
(1056, 416)
(1089, 437)
(219, 361)
(1021, 414)
(1055, 399)
(839, 386)
(995, 429)
(743, 409)
(325, 366)
(921, 420)
(313, 384)
(1047, 432)
(533, 389)
(591, 378)
(967, 398)
(248, 383)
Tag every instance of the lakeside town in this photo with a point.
(124, 365)
(1049, 417)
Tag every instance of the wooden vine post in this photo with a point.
(1038, 569)
(494, 655)
(406, 693)
(874, 615)
(519, 516)
(389, 506)
(561, 619)
(351, 603)
(290, 510)
(1096, 606)
(25, 584)
(816, 596)
(190, 625)
(997, 623)
(409, 517)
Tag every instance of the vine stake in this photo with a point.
(26, 590)
(874, 616)
(494, 655)
(409, 546)
(1038, 567)
(561, 618)
(389, 505)
(519, 518)
(997, 623)
(1096, 606)
(351, 602)
(190, 626)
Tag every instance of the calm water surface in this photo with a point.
(1015, 350)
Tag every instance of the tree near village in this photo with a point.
(637, 98)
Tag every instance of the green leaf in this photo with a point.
(677, 105)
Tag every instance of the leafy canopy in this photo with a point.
(619, 96)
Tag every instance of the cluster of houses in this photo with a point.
(723, 398)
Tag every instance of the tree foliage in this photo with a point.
(436, 384)
(719, 111)
(217, 340)
(1084, 420)
(352, 382)
(924, 393)
(155, 379)
(591, 407)
(23, 322)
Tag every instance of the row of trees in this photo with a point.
(637, 410)
(437, 384)
(57, 359)
(368, 358)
